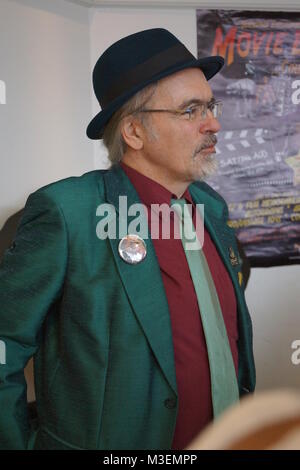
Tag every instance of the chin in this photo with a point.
(203, 168)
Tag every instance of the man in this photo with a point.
(121, 357)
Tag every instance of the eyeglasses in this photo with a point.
(192, 113)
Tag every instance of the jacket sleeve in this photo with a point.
(31, 278)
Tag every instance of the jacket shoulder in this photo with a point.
(74, 189)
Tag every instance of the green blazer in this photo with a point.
(99, 329)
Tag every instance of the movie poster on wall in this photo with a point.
(258, 149)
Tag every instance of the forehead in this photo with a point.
(183, 85)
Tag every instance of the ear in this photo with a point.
(132, 133)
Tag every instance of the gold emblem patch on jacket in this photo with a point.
(233, 258)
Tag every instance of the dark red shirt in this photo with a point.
(190, 352)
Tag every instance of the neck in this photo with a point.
(157, 174)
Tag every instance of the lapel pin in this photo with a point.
(240, 276)
(132, 249)
(233, 258)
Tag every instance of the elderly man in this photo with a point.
(138, 341)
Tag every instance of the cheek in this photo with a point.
(176, 142)
(182, 137)
(186, 144)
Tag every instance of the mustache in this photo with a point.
(209, 141)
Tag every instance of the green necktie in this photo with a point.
(224, 387)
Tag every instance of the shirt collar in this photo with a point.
(149, 191)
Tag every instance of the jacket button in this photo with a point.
(170, 403)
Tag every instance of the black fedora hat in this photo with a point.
(134, 62)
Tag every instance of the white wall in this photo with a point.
(273, 299)
(47, 51)
(45, 63)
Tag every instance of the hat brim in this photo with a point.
(210, 66)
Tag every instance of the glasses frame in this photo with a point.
(189, 110)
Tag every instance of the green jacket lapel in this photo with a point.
(143, 282)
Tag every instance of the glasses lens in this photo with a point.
(217, 109)
(200, 111)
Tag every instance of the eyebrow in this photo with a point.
(187, 103)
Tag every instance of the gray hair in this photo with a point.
(112, 136)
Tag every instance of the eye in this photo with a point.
(216, 108)
(191, 112)
(212, 106)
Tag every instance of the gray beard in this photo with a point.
(208, 167)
